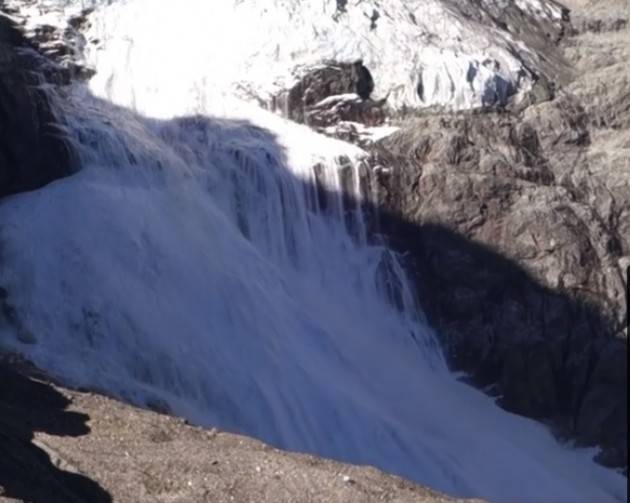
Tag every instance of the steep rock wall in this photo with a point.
(32, 150)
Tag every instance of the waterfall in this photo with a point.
(215, 259)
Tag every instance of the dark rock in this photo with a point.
(65, 446)
(344, 108)
(61, 45)
(32, 150)
(507, 222)
(303, 102)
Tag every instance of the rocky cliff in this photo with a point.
(32, 150)
(517, 222)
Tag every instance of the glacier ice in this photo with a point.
(420, 52)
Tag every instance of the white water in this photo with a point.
(191, 262)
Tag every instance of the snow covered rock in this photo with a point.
(54, 28)
(420, 53)
(324, 88)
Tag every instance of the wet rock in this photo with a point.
(345, 108)
(55, 30)
(32, 150)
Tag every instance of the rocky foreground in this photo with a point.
(63, 446)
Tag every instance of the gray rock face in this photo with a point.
(596, 16)
(57, 37)
(518, 269)
(32, 151)
(517, 227)
(330, 93)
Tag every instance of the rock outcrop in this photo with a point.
(517, 226)
(519, 271)
(55, 29)
(321, 91)
(62, 446)
(32, 150)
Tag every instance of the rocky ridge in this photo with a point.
(32, 150)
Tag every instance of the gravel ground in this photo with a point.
(60, 445)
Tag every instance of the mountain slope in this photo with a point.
(213, 257)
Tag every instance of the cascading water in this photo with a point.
(205, 257)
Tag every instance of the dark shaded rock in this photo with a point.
(304, 102)
(508, 224)
(597, 421)
(341, 5)
(516, 225)
(345, 108)
(32, 150)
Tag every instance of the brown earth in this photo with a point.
(63, 446)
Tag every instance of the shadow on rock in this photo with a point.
(544, 354)
(27, 472)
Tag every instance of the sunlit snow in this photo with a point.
(420, 52)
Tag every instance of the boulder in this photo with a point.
(60, 445)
